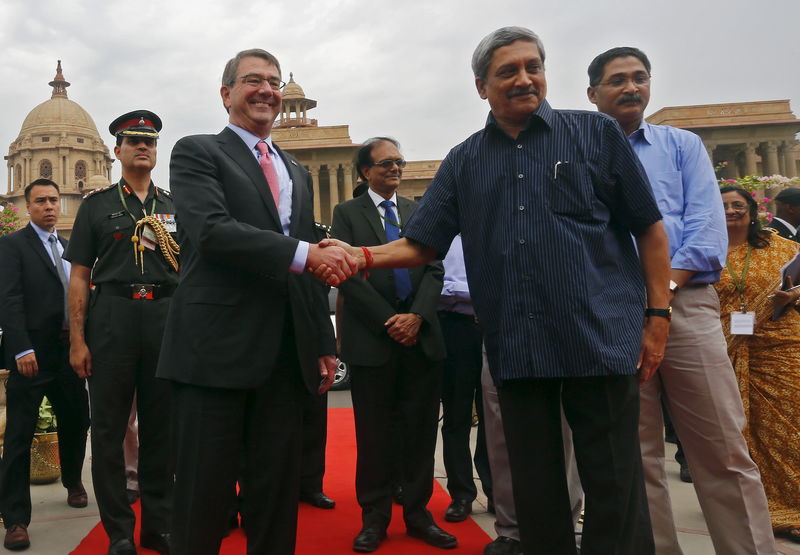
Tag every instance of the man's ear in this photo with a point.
(481, 86)
(225, 93)
(590, 92)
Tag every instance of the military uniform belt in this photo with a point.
(137, 291)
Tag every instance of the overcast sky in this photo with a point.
(385, 68)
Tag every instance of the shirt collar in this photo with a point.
(377, 199)
(543, 114)
(43, 234)
(643, 132)
(128, 190)
(249, 139)
(792, 228)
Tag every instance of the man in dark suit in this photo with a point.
(248, 336)
(33, 281)
(787, 213)
(392, 340)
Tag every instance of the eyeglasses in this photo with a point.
(255, 81)
(735, 206)
(389, 162)
(619, 82)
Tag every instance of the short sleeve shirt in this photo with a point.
(546, 222)
(101, 236)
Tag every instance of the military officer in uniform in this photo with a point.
(122, 245)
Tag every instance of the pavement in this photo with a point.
(57, 528)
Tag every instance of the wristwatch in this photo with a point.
(660, 312)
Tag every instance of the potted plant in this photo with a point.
(45, 463)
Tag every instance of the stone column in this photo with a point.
(790, 166)
(348, 180)
(333, 185)
(710, 147)
(770, 164)
(314, 169)
(750, 158)
(9, 168)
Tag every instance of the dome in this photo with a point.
(293, 90)
(59, 114)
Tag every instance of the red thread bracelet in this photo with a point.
(368, 260)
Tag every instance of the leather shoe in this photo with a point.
(368, 539)
(122, 547)
(503, 545)
(458, 510)
(76, 496)
(156, 542)
(318, 500)
(433, 535)
(17, 537)
(686, 476)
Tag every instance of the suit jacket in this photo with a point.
(235, 291)
(369, 303)
(782, 230)
(31, 300)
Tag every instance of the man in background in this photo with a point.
(33, 291)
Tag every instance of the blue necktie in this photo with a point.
(402, 281)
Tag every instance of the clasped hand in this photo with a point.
(331, 262)
(404, 328)
(334, 261)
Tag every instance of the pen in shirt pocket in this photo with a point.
(555, 168)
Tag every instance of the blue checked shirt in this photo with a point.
(546, 222)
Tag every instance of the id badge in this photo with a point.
(743, 323)
(149, 239)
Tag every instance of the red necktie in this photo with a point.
(269, 172)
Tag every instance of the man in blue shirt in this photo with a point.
(546, 202)
(696, 376)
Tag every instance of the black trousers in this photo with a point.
(67, 395)
(407, 389)
(315, 439)
(603, 413)
(461, 387)
(250, 435)
(124, 337)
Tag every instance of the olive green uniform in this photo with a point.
(123, 332)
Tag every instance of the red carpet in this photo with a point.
(332, 532)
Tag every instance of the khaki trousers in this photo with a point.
(699, 385)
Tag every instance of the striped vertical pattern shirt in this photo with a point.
(546, 222)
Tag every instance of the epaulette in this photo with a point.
(164, 191)
(100, 190)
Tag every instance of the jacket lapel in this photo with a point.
(406, 209)
(373, 216)
(38, 247)
(233, 146)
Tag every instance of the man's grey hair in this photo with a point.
(504, 36)
(232, 67)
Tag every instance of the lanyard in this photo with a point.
(739, 283)
(144, 208)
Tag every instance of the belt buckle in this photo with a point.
(142, 291)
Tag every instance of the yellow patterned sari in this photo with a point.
(767, 368)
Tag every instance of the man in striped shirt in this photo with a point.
(546, 202)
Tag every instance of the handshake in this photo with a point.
(332, 261)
